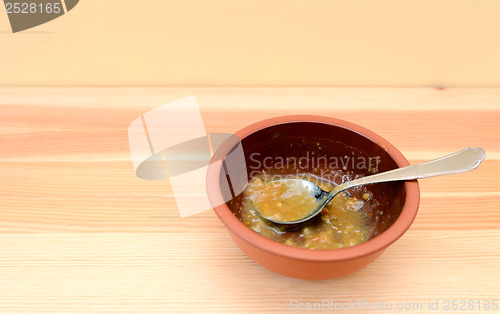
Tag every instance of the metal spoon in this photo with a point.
(313, 198)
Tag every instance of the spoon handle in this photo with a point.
(461, 161)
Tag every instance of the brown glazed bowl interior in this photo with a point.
(308, 139)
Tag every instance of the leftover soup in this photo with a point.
(343, 222)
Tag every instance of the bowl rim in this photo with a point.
(380, 242)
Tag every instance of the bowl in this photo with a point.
(304, 136)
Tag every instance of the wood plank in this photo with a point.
(225, 99)
(65, 134)
(108, 197)
(116, 272)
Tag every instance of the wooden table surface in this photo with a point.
(80, 233)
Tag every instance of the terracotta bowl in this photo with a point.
(394, 203)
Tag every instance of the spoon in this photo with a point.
(302, 199)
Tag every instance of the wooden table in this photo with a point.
(80, 233)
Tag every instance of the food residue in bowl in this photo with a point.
(344, 222)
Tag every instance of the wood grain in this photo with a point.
(80, 233)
